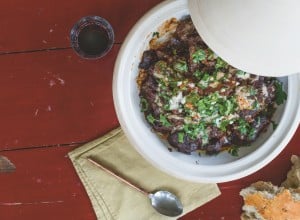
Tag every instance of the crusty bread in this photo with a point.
(293, 176)
(264, 201)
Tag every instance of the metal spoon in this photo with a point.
(164, 202)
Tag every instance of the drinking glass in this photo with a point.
(92, 37)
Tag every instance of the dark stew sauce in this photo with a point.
(197, 101)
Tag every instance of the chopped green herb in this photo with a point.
(161, 66)
(150, 119)
(204, 138)
(199, 55)
(174, 51)
(234, 151)
(221, 63)
(240, 73)
(274, 124)
(164, 121)
(280, 95)
(255, 104)
(224, 124)
(198, 74)
(204, 81)
(144, 105)
(180, 66)
(193, 130)
(155, 34)
(252, 91)
(193, 98)
(243, 127)
(165, 96)
(173, 84)
(211, 54)
(252, 133)
(180, 137)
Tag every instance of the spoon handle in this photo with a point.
(117, 176)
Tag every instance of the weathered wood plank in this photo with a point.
(34, 24)
(54, 97)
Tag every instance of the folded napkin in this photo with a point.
(112, 199)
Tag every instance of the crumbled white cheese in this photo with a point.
(243, 76)
(203, 83)
(158, 75)
(232, 116)
(265, 90)
(191, 85)
(175, 101)
(218, 121)
(220, 75)
(214, 84)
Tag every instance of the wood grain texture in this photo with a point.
(54, 98)
(33, 24)
(51, 101)
(44, 186)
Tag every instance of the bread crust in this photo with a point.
(264, 201)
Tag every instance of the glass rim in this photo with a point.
(84, 22)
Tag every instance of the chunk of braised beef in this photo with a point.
(164, 55)
(216, 133)
(176, 121)
(178, 48)
(257, 126)
(184, 29)
(214, 146)
(248, 114)
(149, 92)
(187, 32)
(236, 138)
(148, 59)
(161, 128)
(187, 146)
(148, 88)
(259, 82)
(261, 123)
(271, 93)
(193, 66)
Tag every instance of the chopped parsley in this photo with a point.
(144, 104)
(150, 119)
(240, 73)
(234, 151)
(203, 83)
(280, 95)
(155, 34)
(199, 56)
(164, 121)
(180, 66)
(243, 126)
(198, 74)
(180, 137)
(274, 124)
(221, 63)
(252, 91)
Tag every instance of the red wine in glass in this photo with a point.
(92, 37)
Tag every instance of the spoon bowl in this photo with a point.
(162, 201)
(166, 203)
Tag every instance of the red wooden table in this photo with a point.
(52, 101)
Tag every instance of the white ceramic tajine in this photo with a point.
(220, 168)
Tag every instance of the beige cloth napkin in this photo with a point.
(112, 199)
